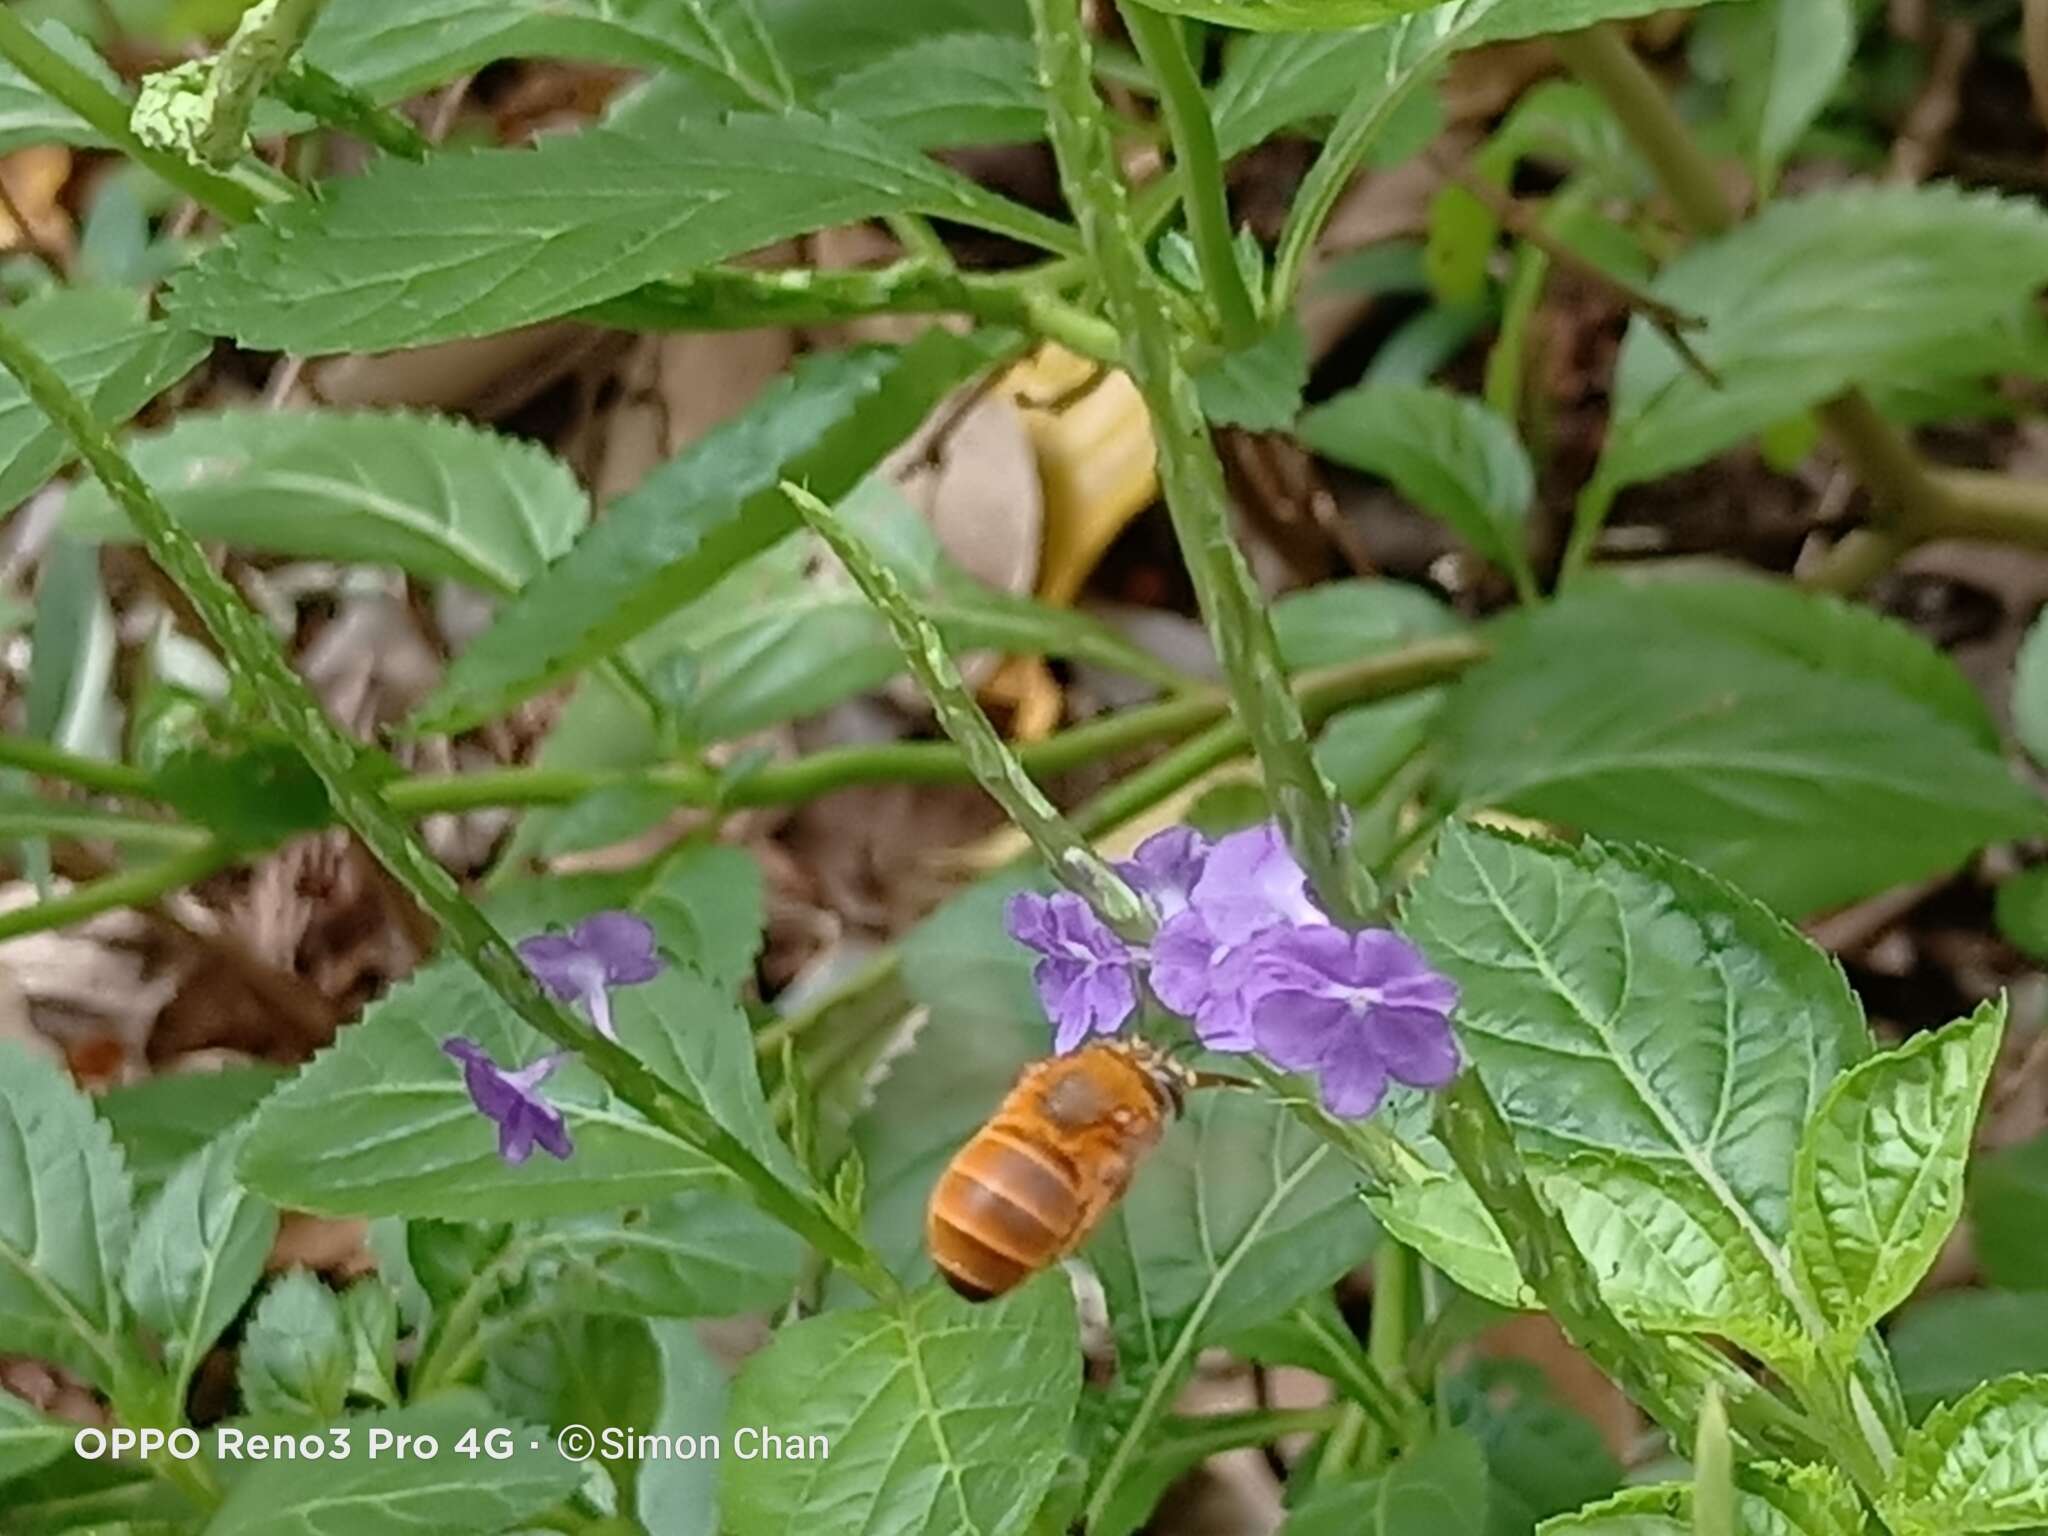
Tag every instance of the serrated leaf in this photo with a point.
(947, 92)
(939, 1415)
(29, 116)
(27, 1439)
(1926, 264)
(1239, 1214)
(822, 39)
(198, 1252)
(297, 1358)
(1980, 1464)
(468, 244)
(827, 423)
(380, 1124)
(102, 344)
(1620, 1004)
(1956, 1340)
(1783, 59)
(446, 1492)
(707, 907)
(391, 52)
(1773, 1500)
(64, 1221)
(162, 1121)
(696, 1255)
(430, 494)
(1794, 770)
(1259, 386)
(1335, 622)
(1668, 1261)
(1452, 456)
(1443, 1220)
(563, 1368)
(1879, 1180)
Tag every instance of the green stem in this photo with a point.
(1878, 453)
(1713, 1470)
(44, 818)
(71, 87)
(1355, 1373)
(1386, 1336)
(309, 89)
(995, 767)
(200, 109)
(1189, 471)
(2009, 509)
(732, 298)
(1198, 163)
(130, 888)
(259, 667)
(53, 762)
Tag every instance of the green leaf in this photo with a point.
(64, 1221)
(1928, 265)
(198, 1252)
(938, 1415)
(102, 344)
(1242, 1212)
(162, 1121)
(1977, 1465)
(2030, 691)
(429, 494)
(378, 262)
(678, 1495)
(1335, 622)
(1439, 1488)
(1442, 1219)
(1773, 1500)
(27, 1439)
(707, 908)
(1258, 387)
(1669, 1261)
(1951, 1342)
(71, 658)
(394, 52)
(1783, 59)
(28, 116)
(1879, 1181)
(785, 634)
(695, 1255)
(297, 1358)
(2009, 1215)
(822, 39)
(2022, 910)
(1625, 1009)
(380, 1124)
(1489, 20)
(1542, 1458)
(947, 92)
(1452, 456)
(446, 1492)
(827, 424)
(1796, 771)
(562, 1368)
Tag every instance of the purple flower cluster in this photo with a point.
(605, 950)
(1245, 954)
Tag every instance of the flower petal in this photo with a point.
(1252, 882)
(551, 1131)
(516, 1136)
(1184, 958)
(1415, 1043)
(624, 943)
(1353, 1084)
(1027, 918)
(1299, 1030)
(1164, 868)
(559, 963)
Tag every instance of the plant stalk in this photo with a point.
(1198, 163)
(1189, 471)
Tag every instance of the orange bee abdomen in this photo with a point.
(1002, 1211)
(1032, 1184)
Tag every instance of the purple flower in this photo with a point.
(525, 1119)
(1086, 976)
(1355, 1009)
(1202, 959)
(606, 949)
(1164, 868)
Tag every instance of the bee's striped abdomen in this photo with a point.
(1004, 1209)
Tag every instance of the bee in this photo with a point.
(1032, 1184)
